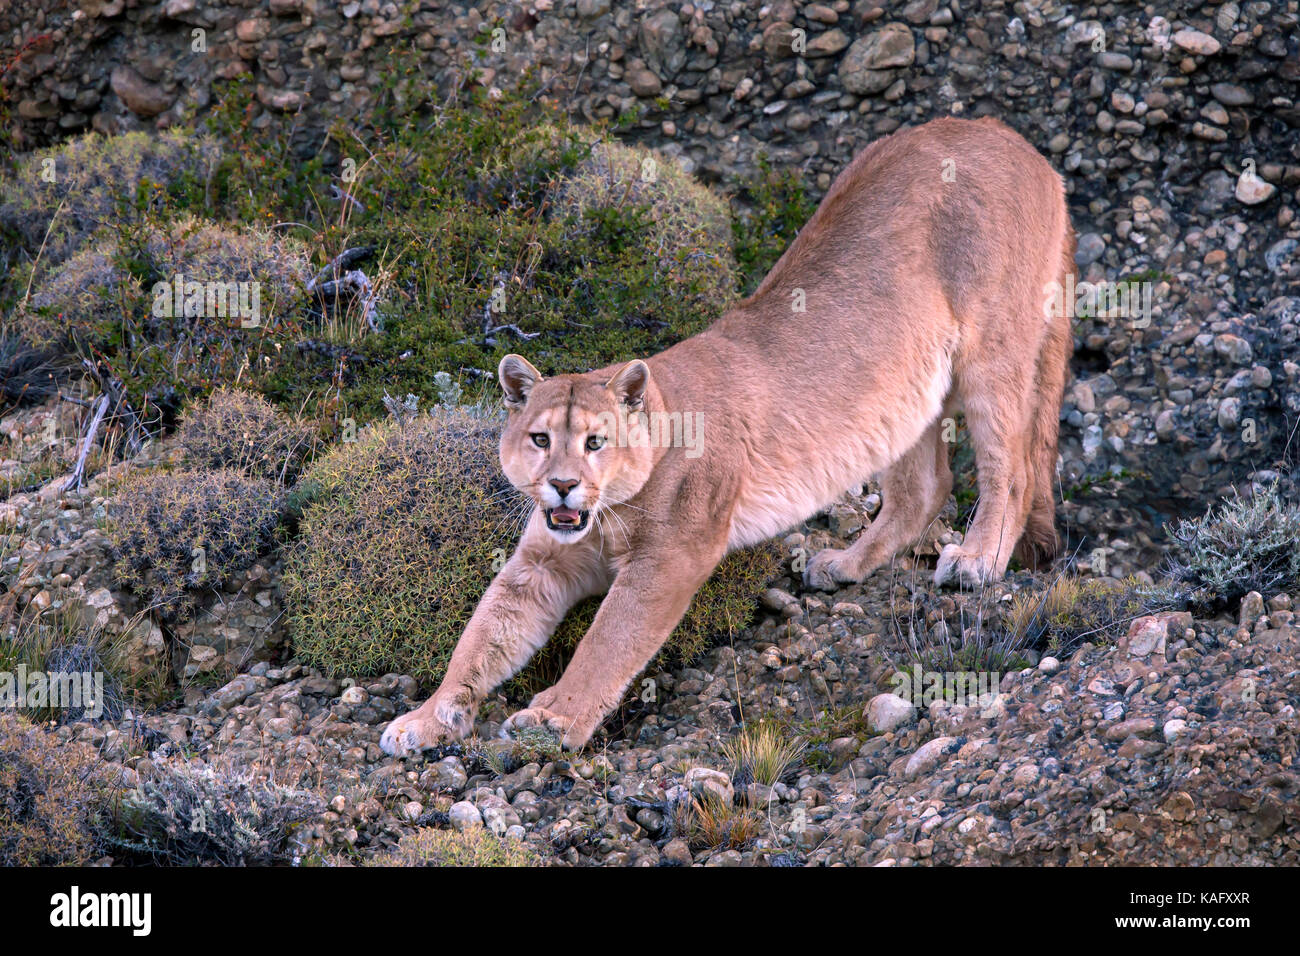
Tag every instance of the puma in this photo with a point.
(917, 289)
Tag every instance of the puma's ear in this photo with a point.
(517, 377)
(629, 383)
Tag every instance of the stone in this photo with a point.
(1194, 41)
(928, 756)
(827, 44)
(1251, 610)
(662, 43)
(886, 712)
(1088, 249)
(1252, 190)
(465, 816)
(140, 96)
(644, 82)
(891, 46)
(703, 781)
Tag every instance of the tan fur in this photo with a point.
(923, 296)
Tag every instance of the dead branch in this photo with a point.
(88, 439)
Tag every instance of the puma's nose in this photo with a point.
(563, 486)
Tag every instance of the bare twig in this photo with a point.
(79, 469)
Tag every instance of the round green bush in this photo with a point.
(688, 229)
(404, 530)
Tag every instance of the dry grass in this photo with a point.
(761, 753)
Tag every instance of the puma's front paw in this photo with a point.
(829, 569)
(961, 568)
(429, 725)
(574, 732)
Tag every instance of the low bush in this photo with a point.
(174, 534)
(243, 431)
(61, 645)
(98, 180)
(404, 531)
(687, 226)
(1072, 611)
(185, 814)
(1245, 544)
(175, 310)
(476, 847)
(53, 798)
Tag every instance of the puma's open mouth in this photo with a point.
(566, 519)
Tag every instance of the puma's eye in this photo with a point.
(541, 439)
(595, 443)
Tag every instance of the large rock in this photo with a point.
(862, 70)
(140, 96)
(886, 712)
(662, 43)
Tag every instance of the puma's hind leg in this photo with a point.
(913, 490)
(1039, 543)
(998, 402)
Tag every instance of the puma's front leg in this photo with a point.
(644, 604)
(518, 613)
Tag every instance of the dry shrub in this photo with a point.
(1245, 544)
(241, 430)
(195, 813)
(475, 847)
(172, 534)
(116, 295)
(1073, 610)
(93, 176)
(52, 797)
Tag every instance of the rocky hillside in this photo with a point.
(1158, 729)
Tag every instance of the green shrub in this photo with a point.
(688, 227)
(172, 534)
(52, 797)
(406, 528)
(775, 207)
(397, 545)
(97, 179)
(477, 847)
(118, 297)
(193, 813)
(465, 203)
(241, 430)
(1246, 544)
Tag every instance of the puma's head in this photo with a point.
(570, 442)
